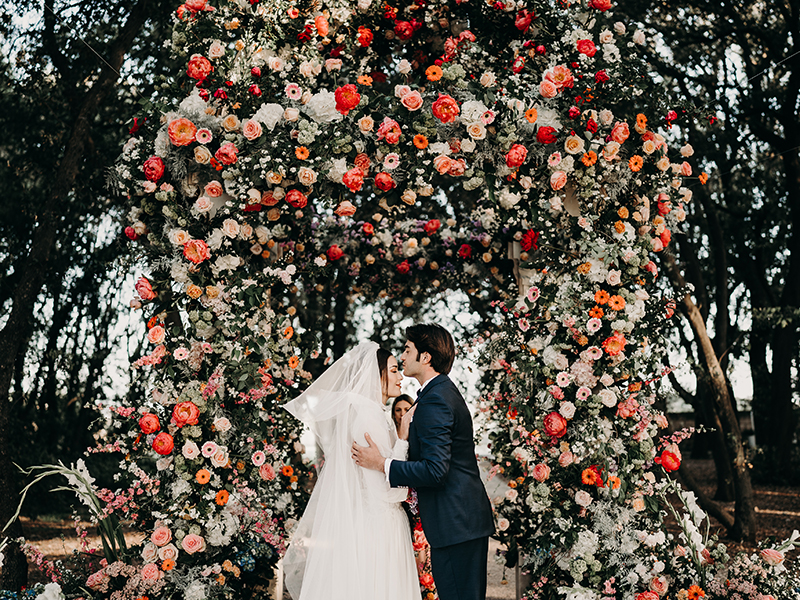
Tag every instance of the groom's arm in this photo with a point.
(433, 423)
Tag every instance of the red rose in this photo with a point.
(587, 47)
(601, 76)
(130, 232)
(403, 30)
(149, 423)
(665, 237)
(546, 135)
(335, 253)
(144, 289)
(530, 240)
(364, 36)
(347, 98)
(523, 20)
(555, 425)
(432, 226)
(368, 229)
(296, 198)
(226, 153)
(354, 179)
(199, 67)
(518, 64)
(465, 251)
(153, 168)
(185, 413)
(601, 5)
(163, 443)
(384, 181)
(254, 90)
(255, 72)
(445, 108)
(403, 267)
(516, 156)
(591, 126)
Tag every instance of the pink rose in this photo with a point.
(516, 156)
(226, 153)
(214, 189)
(457, 168)
(266, 471)
(153, 168)
(196, 251)
(566, 459)
(541, 472)
(251, 129)
(161, 536)
(548, 89)
(412, 100)
(686, 169)
(771, 557)
(144, 289)
(558, 180)
(389, 130)
(620, 132)
(659, 585)
(442, 163)
(193, 543)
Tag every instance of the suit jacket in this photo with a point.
(441, 466)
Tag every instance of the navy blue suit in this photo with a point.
(453, 506)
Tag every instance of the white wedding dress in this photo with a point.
(353, 541)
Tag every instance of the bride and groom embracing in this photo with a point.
(354, 541)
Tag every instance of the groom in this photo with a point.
(455, 512)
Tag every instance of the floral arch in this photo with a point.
(512, 148)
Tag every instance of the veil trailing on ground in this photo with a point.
(329, 536)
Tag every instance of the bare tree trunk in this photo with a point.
(35, 266)
(744, 527)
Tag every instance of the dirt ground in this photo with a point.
(777, 509)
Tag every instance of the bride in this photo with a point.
(353, 541)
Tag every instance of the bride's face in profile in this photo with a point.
(393, 378)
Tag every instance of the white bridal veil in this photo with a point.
(324, 559)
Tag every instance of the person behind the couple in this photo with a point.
(353, 540)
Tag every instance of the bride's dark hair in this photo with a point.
(383, 361)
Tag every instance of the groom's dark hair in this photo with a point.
(436, 341)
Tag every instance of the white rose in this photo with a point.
(190, 450)
(291, 114)
(216, 50)
(262, 234)
(488, 79)
(168, 552)
(149, 552)
(179, 237)
(404, 67)
(222, 424)
(502, 524)
(606, 37)
(620, 28)
(567, 409)
(52, 591)
(476, 130)
(306, 176)
(608, 398)
(639, 37)
(583, 498)
(467, 145)
(687, 150)
(275, 63)
(614, 277)
(220, 458)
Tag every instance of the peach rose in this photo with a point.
(151, 572)
(156, 335)
(476, 130)
(412, 100)
(274, 177)
(230, 123)
(193, 543)
(558, 180)
(548, 89)
(181, 132)
(214, 189)
(202, 155)
(611, 151)
(650, 146)
(306, 176)
(663, 163)
(321, 23)
(659, 585)
(161, 536)
(345, 209)
(275, 63)
(230, 227)
(573, 145)
(179, 237)
(409, 197)
(291, 114)
(442, 163)
(565, 459)
(487, 79)
(366, 124)
(168, 552)
(216, 50)
(251, 129)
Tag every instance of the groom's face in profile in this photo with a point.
(410, 359)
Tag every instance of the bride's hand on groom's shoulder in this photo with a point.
(405, 423)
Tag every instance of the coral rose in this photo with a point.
(163, 444)
(353, 179)
(181, 132)
(347, 98)
(214, 189)
(516, 156)
(432, 226)
(251, 129)
(548, 89)
(442, 163)
(153, 168)
(226, 153)
(614, 344)
(647, 596)
(149, 423)
(196, 251)
(555, 425)
(156, 335)
(620, 132)
(389, 130)
(185, 413)
(345, 209)
(445, 108)
(384, 181)
(541, 472)
(144, 289)
(199, 67)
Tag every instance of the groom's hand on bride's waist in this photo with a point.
(369, 457)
